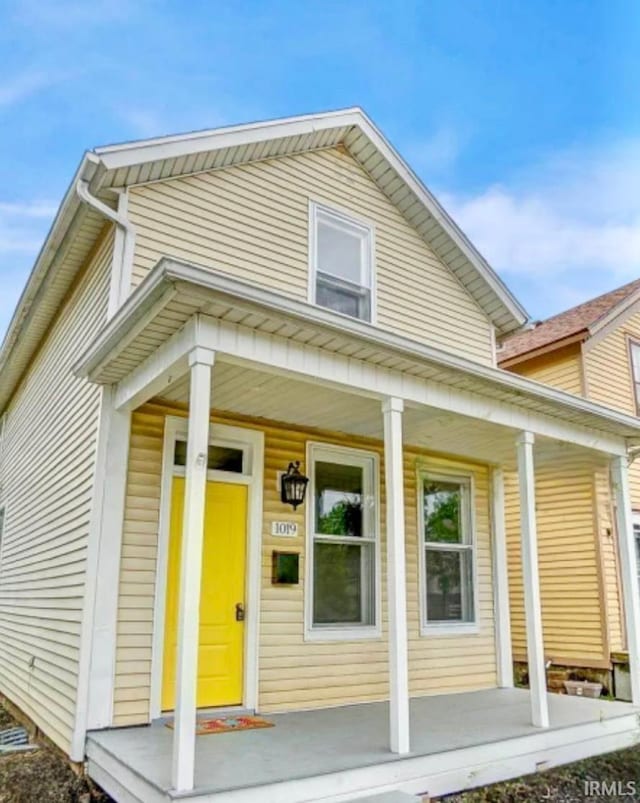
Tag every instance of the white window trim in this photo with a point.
(348, 632)
(368, 227)
(447, 628)
(176, 428)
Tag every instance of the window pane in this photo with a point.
(341, 299)
(338, 499)
(343, 584)
(339, 252)
(449, 585)
(442, 512)
(220, 458)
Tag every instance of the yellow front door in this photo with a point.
(221, 649)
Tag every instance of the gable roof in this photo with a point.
(116, 167)
(577, 323)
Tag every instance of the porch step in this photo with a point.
(388, 797)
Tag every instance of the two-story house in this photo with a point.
(252, 478)
(592, 350)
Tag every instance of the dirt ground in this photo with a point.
(42, 776)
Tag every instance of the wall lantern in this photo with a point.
(293, 485)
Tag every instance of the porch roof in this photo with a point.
(174, 292)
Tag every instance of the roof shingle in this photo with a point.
(566, 324)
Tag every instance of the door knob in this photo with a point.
(239, 612)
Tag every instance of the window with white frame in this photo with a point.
(447, 550)
(343, 540)
(341, 263)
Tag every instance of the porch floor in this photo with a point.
(309, 744)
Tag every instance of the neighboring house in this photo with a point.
(207, 311)
(592, 350)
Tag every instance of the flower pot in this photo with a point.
(583, 688)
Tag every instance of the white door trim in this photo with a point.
(175, 428)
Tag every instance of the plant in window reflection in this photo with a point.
(337, 582)
(442, 515)
(442, 525)
(344, 518)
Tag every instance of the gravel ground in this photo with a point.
(569, 784)
(42, 776)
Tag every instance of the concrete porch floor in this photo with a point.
(457, 741)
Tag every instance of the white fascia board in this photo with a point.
(177, 277)
(59, 232)
(612, 320)
(149, 150)
(446, 222)
(128, 154)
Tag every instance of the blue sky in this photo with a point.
(523, 117)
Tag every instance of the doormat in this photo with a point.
(206, 725)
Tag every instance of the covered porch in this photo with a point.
(199, 340)
(458, 741)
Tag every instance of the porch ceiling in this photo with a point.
(245, 391)
(173, 293)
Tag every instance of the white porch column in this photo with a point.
(628, 569)
(531, 581)
(396, 577)
(501, 582)
(184, 735)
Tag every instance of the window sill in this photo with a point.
(451, 629)
(343, 634)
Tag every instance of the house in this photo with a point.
(216, 324)
(592, 350)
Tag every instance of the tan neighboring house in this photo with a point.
(218, 325)
(592, 350)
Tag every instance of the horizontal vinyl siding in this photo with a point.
(608, 542)
(568, 561)
(294, 674)
(608, 368)
(47, 475)
(561, 368)
(251, 221)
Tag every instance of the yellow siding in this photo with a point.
(294, 674)
(608, 368)
(561, 368)
(607, 540)
(251, 221)
(46, 482)
(570, 582)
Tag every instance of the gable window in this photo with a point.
(341, 270)
(634, 349)
(447, 559)
(343, 544)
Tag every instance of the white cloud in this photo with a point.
(438, 152)
(21, 86)
(577, 213)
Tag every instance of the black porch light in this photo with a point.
(293, 485)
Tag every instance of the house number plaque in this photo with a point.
(284, 529)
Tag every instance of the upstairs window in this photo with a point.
(341, 263)
(634, 350)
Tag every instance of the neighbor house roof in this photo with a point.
(76, 227)
(570, 326)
